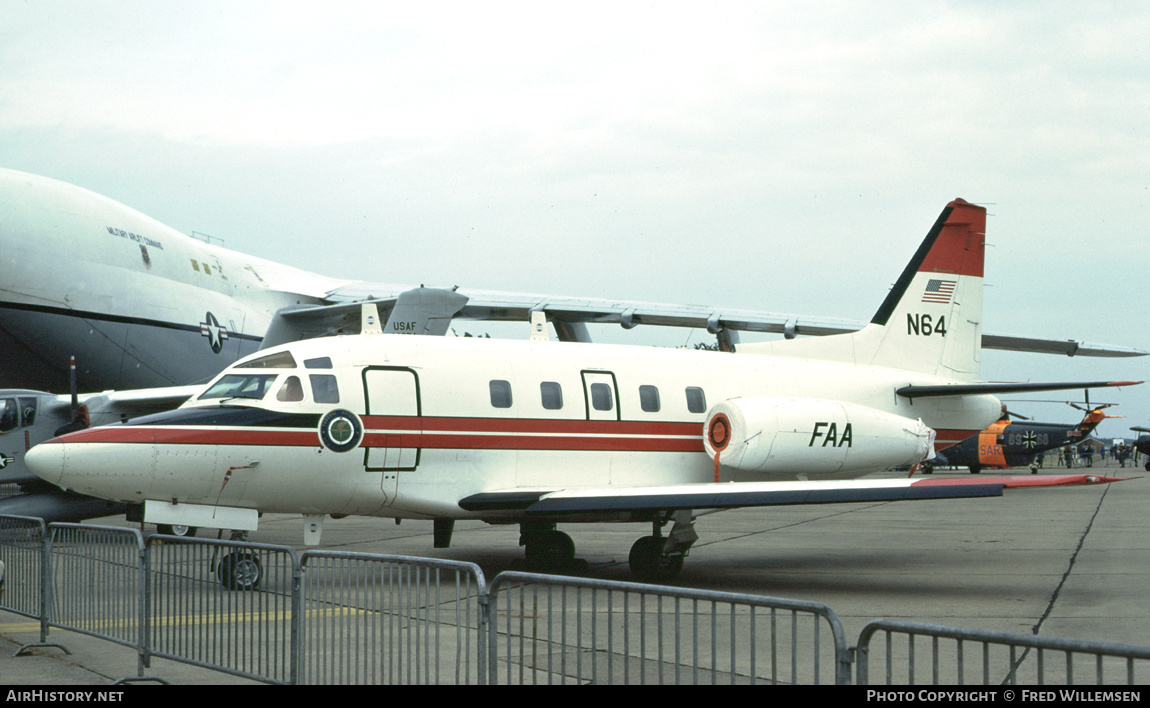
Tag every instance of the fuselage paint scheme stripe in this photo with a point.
(457, 440)
(120, 319)
(439, 433)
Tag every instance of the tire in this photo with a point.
(177, 530)
(548, 551)
(650, 564)
(240, 571)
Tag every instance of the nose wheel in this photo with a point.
(240, 571)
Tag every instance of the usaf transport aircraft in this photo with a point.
(541, 433)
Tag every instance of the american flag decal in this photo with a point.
(939, 291)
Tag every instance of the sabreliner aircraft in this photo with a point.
(540, 433)
(140, 305)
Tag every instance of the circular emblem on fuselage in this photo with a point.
(214, 331)
(340, 430)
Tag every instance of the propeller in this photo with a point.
(80, 419)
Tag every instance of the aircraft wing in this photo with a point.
(740, 494)
(138, 401)
(569, 315)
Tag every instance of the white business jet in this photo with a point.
(140, 306)
(540, 433)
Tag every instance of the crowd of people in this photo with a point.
(1083, 455)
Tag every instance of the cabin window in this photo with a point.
(239, 386)
(500, 394)
(696, 400)
(552, 394)
(649, 399)
(324, 388)
(601, 398)
(291, 391)
(279, 360)
(323, 362)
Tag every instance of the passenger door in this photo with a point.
(394, 432)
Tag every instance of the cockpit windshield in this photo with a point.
(253, 386)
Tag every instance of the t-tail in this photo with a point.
(931, 320)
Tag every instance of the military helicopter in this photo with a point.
(1006, 443)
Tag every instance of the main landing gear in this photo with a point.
(654, 558)
(547, 550)
(657, 559)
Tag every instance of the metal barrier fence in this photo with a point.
(998, 657)
(95, 583)
(22, 551)
(325, 617)
(390, 619)
(551, 629)
(223, 605)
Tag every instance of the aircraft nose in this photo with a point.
(46, 461)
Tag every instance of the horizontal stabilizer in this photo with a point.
(997, 388)
(742, 494)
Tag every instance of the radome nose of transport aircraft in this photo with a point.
(47, 462)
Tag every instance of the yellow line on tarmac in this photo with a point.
(19, 627)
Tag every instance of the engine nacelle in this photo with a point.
(813, 436)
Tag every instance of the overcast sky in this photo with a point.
(779, 156)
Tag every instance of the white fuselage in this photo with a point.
(445, 418)
(138, 303)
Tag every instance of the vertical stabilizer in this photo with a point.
(931, 320)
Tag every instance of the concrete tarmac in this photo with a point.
(1069, 562)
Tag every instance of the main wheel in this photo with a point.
(650, 564)
(240, 571)
(549, 551)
